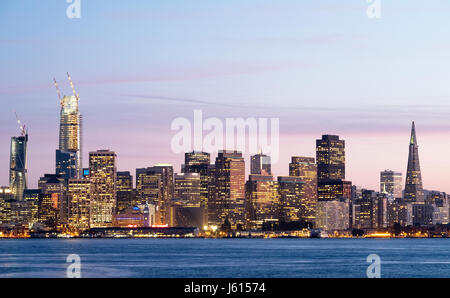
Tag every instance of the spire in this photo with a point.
(413, 135)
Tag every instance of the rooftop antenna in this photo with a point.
(73, 88)
(22, 126)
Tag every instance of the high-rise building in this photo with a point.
(330, 156)
(413, 187)
(126, 196)
(227, 202)
(155, 185)
(187, 189)
(329, 190)
(333, 215)
(262, 201)
(306, 169)
(260, 164)
(53, 200)
(124, 181)
(102, 171)
(78, 192)
(18, 165)
(292, 193)
(68, 155)
(391, 183)
(199, 162)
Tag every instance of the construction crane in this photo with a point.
(73, 88)
(57, 90)
(22, 126)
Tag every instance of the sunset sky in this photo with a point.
(321, 67)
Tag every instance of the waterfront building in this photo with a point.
(143, 215)
(333, 215)
(293, 207)
(229, 195)
(262, 201)
(187, 189)
(102, 175)
(306, 169)
(155, 185)
(53, 199)
(79, 204)
(200, 162)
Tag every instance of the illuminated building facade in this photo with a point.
(102, 171)
(306, 169)
(330, 156)
(229, 194)
(199, 162)
(333, 215)
(78, 193)
(53, 200)
(68, 155)
(18, 166)
(260, 164)
(143, 215)
(413, 187)
(292, 207)
(187, 189)
(391, 183)
(329, 190)
(124, 181)
(155, 185)
(262, 201)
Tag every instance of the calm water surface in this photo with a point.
(225, 257)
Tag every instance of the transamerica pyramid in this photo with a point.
(413, 187)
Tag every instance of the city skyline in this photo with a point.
(321, 67)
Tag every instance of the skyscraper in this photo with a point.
(305, 168)
(78, 192)
(199, 162)
(260, 164)
(262, 201)
(18, 165)
(391, 183)
(102, 174)
(68, 155)
(413, 187)
(155, 185)
(229, 195)
(330, 156)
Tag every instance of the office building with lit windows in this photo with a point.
(78, 193)
(262, 201)
(102, 175)
(260, 164)
(199, 162)
(229, 195)
(330, 157)
(306, 169)
(391, 183)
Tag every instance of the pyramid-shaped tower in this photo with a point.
(413, 187)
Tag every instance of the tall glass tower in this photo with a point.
(18, 165)
(68, 155)
(413, 187)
